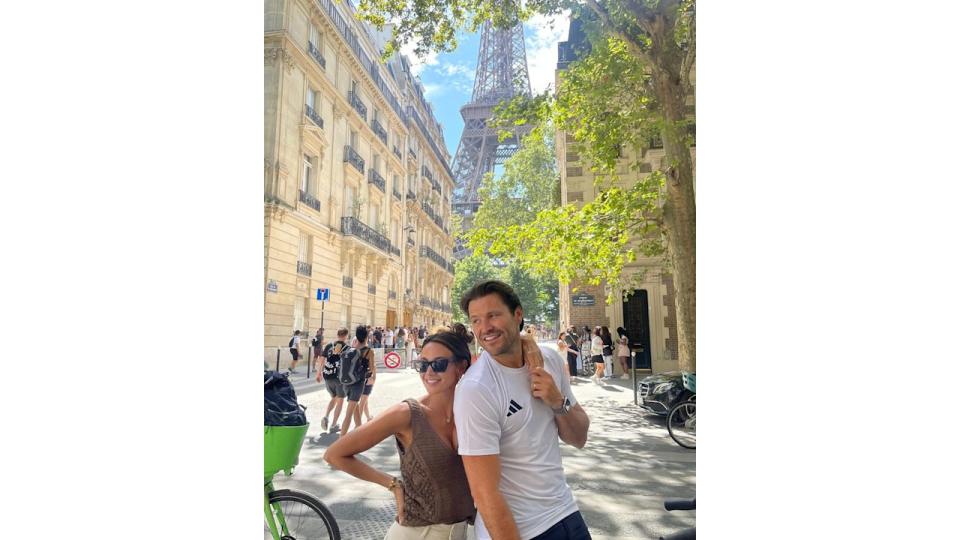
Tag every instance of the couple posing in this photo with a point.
(491, 444)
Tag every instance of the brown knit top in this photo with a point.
(435, 488)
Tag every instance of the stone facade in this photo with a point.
(357, 182)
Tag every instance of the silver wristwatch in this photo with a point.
(564, 408)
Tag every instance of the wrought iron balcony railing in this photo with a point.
(376, 179)
(309, 200)
(315, 53)
(396, 152)
(411, 196)
(413, 155)
(314, 116)
(372, 289)
(397, 195)
(391, 295)
(411, 242)
(352, 157)
(357, 104)
(379, 131)
(348, 282)
(426, 172)
(304, 269)
(352, 226)
(425, 251)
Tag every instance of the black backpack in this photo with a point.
(331, 367)
(280, 407)
(290, 344)
(352, 366)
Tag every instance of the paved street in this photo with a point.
(619, 479)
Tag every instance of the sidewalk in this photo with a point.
(620, 478)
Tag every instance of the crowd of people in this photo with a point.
(599, 347)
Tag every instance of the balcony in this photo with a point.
(411, 196)
(435, 217)
(391, 295)
(309, 200)
(376, 179)
(396, 152)
(371, 289)
(348, 282)
(397, 195)
(357, 104)
(426, 172)
(411, 242)
(436, 258)
(352, 226)
(352, 157)
(314, 116)
(304, 269)
(412, 154)
(315, 53)
(379, 131)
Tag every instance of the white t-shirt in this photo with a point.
(596, 345)
(388, 338)
(496, 413)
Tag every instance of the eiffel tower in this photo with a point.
(501, 75)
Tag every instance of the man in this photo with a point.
(355, 390)
(388, 338)
(329, 372)
(509, 411)
(572, 350)
(317, 344)
(377, 338)
(294, 351)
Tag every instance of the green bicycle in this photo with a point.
(290, 514)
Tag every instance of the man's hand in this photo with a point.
(398, 493)
(543, 386)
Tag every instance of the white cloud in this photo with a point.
(431, 91)
(541, 44)
(417, 65)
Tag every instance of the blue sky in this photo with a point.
(448, 78)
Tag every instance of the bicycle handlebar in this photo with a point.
(680, 504)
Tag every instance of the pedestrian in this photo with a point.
(411, 346)
(329, 373)
(607, 352)
(388, 338)
(569, 340)
(317, 345)
(355, 390)
(432, 494)
(377, 338)
(401, 338)
(596, 354)
(510, 409)
(623, 351)
(294, 351)
(563, 348)
(364, 407)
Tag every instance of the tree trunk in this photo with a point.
(680, 214)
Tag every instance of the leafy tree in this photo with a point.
(630, 85)
(466, 273)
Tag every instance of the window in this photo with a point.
(376, 162)
(314, 37)
(311, 98)
(374, 215)
(353, 139)
(307, 174)
(303, 253)
(395, 233)
(574, 171)
(298, 304)
(348, 199)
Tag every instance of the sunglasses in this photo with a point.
(439, 365)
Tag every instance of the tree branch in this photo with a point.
(691, 56)
(607, 21)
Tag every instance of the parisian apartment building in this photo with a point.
(357, 180)
(649, 312)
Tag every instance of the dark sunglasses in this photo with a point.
(439, 365)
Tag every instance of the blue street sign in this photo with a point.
(323, 294)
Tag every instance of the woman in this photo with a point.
(433, 497)
(401, 338)
(607, 352)
(564, 349)
(596, 354)
(623, 351)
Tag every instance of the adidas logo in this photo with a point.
(514, 407)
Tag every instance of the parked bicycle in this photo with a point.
(681, 504)
(682, 419)
(290, 514)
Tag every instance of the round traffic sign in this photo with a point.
(391, 360)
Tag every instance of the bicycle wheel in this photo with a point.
(682, 424)
(301, 516)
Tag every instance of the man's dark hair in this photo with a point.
(492, 286)
(361, 333)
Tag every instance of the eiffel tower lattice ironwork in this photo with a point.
(501, 75)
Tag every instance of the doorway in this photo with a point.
(636, 321)
(391, 318)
